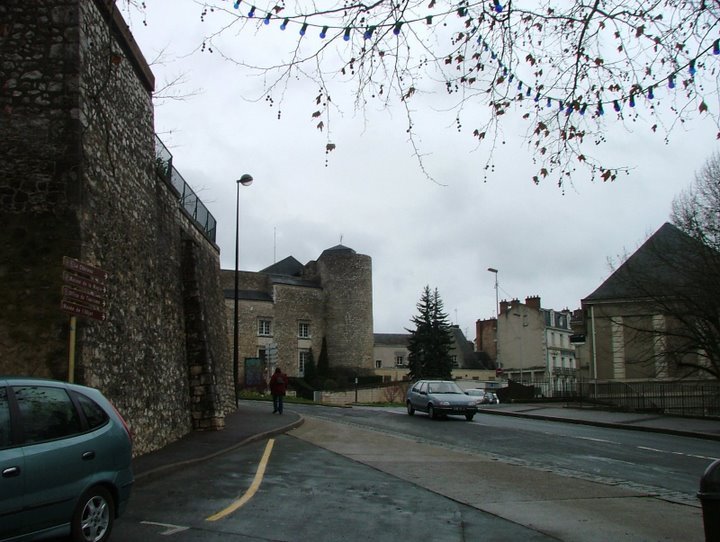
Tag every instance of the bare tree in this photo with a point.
(696, 210)
(568, 68)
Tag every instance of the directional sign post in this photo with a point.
(83, 294)
(83, 290)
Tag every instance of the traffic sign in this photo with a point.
(85, 269)
(83, 289)
(81, 310)
(84, 298)
(87, 285)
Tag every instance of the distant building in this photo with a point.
(391, 356)
(285, 311)
(532, 342)
(634, 322)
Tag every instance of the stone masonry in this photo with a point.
(78, 179)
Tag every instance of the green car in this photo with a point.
(65, 456)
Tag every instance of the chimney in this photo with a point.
(504, 306)
(533, 302)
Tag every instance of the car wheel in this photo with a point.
(431, 412)
(410, 408)
(469, 417)
(94, 516)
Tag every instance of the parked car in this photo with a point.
(440, 398)
(65, 456)
(492, 398)
(481, 395)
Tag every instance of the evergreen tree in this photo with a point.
(310, 369)
(430, 342)
(323, 365)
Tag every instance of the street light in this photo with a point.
(495, 271)
(245, 180)
(497, 317)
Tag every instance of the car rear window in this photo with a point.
(94, 414)
(4, 419)
(46, 413)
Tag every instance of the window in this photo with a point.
(4, 419)
(304, 330)
(264, 328)
(454, 361)
(378, 364)
(46, 413)
(94, 414)
(399, 360)
(304, 358)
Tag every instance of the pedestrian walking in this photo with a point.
(278, 387)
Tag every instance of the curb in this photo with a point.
(611, 425)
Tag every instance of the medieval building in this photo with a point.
(288, 310)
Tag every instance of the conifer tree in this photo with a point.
(430, 342)
(323, 364)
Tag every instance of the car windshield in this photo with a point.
(444, 387)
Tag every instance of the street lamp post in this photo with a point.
(497, 317)
(245, 180)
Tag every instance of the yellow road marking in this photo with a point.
(251, 490)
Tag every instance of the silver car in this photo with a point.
(481, 395)
(440, 398)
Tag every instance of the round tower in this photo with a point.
(346, 279)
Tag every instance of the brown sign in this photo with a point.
(77, 266)
(84, 298)
(81, 310)
(83, 290)
(87, 285)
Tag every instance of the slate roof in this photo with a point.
(660, 262)
(288, 267)
(463, 344)
(391, 339)
(338, 248)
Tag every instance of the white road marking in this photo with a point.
(171, 529)
(677, 453)
(597, 440)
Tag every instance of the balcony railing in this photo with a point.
(188, 199)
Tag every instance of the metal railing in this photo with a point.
(699, 398)
(696, 398)
(188, 199)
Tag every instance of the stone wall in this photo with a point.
(347, 282)
(79, 180)
(291, 304)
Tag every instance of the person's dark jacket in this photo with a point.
(278, 383)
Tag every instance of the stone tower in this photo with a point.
(347, 284)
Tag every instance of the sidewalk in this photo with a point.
(637, 421)
(253, 420)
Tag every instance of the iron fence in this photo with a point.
(687, 398)
(188, 199)
(696, 398)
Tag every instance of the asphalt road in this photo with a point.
(666, 465)
(377, 474)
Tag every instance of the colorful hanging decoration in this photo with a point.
(462, 11)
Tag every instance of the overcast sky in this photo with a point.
(370, 194)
